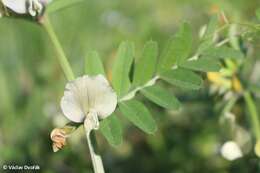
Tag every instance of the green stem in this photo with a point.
(60, 53)
(229, 105)
(253, 114)
(96, 159)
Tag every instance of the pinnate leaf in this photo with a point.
(93, 64)
(183, 78)
(203, 64)
(139, 115)
(211, 27)
(112, 130)
(223, 52)
(145, 66)
(258, 13)
(122, 65)
(177, 49)
(162, 97)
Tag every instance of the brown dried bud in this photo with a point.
(58, 136)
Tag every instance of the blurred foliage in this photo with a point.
(32, 84)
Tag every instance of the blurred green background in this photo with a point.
(32, 83)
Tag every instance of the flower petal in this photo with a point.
(70, 104)
(87, 94)
(45, 1)
(18, 6)
(105, 98)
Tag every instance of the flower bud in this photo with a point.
(231, 151)
(59, 135)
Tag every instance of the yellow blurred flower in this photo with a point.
(236, 85)
(257, 148)
(226, 79)
(218, 79)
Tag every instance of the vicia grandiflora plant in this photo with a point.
(95, 102)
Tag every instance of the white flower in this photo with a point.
(231, 151)
(18, 6)
(88, 96)
(33, 7)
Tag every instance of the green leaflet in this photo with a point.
(112, 130)
(258, 13)
(162, 97)
(6, 103)
(57, 5)
(204, 45)
(177, 49)
(145, 66)
(183, 78)
(223, 52)
(207, 40)
(93, 64)
(202, 64)
(211, 27)
(121, 68)
(139, 115)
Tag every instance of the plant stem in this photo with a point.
(229, 105)
(253, 114)
(60, 53)
(96, 159)
(132, 93)
(92, 123)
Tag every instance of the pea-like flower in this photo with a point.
(88, 97)
(32, 7)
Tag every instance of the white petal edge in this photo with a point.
(105, 97)
(70, 107)
(45, 1)
(18, 6)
